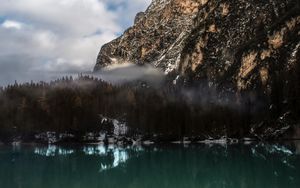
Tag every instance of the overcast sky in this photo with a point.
(43, 38)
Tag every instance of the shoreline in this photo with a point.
(154, 143)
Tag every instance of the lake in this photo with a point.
(252, 165)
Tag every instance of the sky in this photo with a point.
(44, 39)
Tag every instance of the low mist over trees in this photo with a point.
(77, 105)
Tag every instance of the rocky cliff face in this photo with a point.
(241, 47)
(240, 42)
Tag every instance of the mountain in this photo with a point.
(237, 41)
(249, 49)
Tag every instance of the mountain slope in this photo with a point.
(249, 49)
(211, 39)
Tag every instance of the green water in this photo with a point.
(232, 166)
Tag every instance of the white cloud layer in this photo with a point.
(10, 24)
(42, 36)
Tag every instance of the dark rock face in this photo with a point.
(232, 45)
(157, 37)
(212, 39)
(240, 42)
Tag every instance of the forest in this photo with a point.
(77, 105)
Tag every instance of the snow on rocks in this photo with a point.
(248, 141)
(224, 140)
(148, 142)
(119, 128)
(53, 137)
(184, 141)
(176, 80)
(48, 137)
(113, 126)
(98, 137)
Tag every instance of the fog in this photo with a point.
(115, 74)
(127, 72)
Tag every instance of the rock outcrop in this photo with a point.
(236, 46)
(241, 42)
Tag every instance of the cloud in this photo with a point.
(128, 72)
(42, 36)
(10, 24)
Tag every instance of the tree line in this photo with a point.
(77, 105)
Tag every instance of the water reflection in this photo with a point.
(256, 165)
(119, 155)
(52, 151)
(95, 150)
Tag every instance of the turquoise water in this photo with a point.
(207, 166)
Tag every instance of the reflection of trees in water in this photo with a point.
(111, 156)
(118, 155)
(256, 165)
(52, 151)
